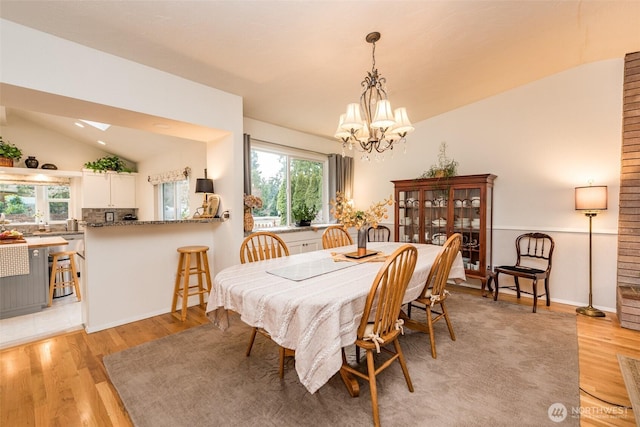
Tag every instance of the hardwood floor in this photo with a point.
(62, 381)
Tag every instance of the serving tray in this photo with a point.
(354, 255)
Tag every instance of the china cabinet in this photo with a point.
(430, 210)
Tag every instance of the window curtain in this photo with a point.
(246, 142)
(340, 175)
(170, 176)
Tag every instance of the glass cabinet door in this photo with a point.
(435, 203)
(409, 216)
(467, 221)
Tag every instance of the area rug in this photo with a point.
(508, 367)
(630, 369)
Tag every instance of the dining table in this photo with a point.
(312, 302)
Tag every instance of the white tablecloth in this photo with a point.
(315, 317)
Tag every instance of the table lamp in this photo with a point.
(204, 185)
(591, 200)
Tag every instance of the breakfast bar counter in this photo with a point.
(130, 267)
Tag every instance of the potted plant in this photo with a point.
(108, 163)
(303, 215)
(444, 168)
(8, 153)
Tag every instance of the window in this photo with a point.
(285, 179)
(32, 203)
(175, 200)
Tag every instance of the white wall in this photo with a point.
(541, 140)
(279, 135)
(46, 145)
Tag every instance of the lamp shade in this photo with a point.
(384, 115)
(352, 119)
(592, 198)
(204, 185)
(403, 124)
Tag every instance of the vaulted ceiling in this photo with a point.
(298, 63)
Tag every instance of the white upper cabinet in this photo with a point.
(108, 190)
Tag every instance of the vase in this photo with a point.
(248, 220)
(362, 241)
(32, 162)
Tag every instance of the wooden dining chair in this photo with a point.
(379, 325)
(435, 293)
(335, 236)
(380, 233)
(534, 252)
(259, 246)
(262, 245)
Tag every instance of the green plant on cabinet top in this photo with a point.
(108, 163)
(444, 168)
(9, 150)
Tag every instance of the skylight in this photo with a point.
(97, 125)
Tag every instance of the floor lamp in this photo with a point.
(591, 200)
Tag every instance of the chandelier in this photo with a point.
(378, 132)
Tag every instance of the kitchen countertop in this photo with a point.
(138, 222)
(53, 233)
(43, 242)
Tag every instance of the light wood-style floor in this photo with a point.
(61, 381)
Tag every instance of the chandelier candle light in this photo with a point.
(591, 200)
(349, 216)
(375, 133)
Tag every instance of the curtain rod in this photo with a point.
(290, 147)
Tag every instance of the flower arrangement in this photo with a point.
(348, 216)
(251, 201)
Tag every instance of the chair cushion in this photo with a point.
(519, 269)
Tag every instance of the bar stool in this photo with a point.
(58, 270)
(183, 288)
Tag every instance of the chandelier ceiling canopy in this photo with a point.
(372, 126)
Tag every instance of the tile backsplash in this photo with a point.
(94, 216)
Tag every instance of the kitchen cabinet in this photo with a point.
(432, 209)
(108, 190)
(27, 293)
(302, 241)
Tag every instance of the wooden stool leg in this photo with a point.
(74, 271)
(176, 286)
(185, 286)
(206, 272)
(52, 279)
(199, 272)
